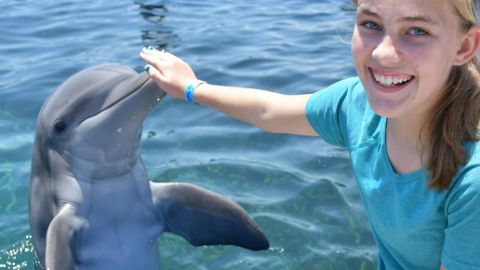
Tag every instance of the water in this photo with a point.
(299, 189)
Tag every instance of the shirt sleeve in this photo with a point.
(462, 236)
(326, 111)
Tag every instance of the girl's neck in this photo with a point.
(406, 144)
(406, 131)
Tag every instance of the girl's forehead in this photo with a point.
(405, 5)
(437, 11)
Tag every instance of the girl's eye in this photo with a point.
(415, 31)
(371, 25)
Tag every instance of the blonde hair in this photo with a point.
(455, 118)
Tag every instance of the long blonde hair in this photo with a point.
(455, 117)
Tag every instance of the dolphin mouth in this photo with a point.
(144, 80)
(138, 83)
(119, 118)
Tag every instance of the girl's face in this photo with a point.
(404, 51)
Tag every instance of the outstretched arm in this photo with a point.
(267, 110)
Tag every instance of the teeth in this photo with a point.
(391, 80)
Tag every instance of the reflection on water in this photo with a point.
(152, 13)
(156, 34)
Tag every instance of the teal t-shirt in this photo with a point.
(414, 227)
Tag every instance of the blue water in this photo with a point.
(299, 189)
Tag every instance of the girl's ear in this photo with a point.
(469, 46)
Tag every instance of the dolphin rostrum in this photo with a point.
(91, 203)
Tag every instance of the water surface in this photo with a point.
(299, 189)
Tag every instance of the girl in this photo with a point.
(409, 121)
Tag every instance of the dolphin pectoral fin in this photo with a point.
(203, 217)
(58, 254)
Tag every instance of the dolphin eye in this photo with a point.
(60, 127)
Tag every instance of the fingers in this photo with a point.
(152, 56)
(170, 72)
(154, 73)
(162, 61)
(154, 52)
(155, 60)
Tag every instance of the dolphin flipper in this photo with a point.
(203, 217)
(58, 253)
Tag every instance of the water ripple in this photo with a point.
(300, 190)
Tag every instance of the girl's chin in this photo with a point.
(384, 108)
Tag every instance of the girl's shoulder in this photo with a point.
(341, 115)
(472, 167)
(467, 181)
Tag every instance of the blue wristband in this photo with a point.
(190, 90)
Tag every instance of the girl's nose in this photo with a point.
(386, 52)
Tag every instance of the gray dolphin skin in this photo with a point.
(91, 203)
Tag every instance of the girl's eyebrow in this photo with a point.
(410, 18)
(367, 12)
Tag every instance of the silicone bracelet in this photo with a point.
(190, 90)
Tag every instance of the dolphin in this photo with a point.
(91, 203)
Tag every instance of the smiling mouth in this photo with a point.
(390, 79)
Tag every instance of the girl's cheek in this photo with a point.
(359, 41)
(359, 48)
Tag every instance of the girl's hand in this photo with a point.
(171, 73)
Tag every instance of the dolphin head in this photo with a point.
(93, 121)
